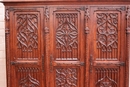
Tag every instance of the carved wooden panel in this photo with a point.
(67, 58)
(84, 45)
(28, 77)
(107, 57)
(107, 77)
(107, 36)
(27, 36)
(67, 36)
(66, 77)
(128, 45)
(27, 57)
(27, 31)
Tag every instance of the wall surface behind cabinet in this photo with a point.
(2, 48)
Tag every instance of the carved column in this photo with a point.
(87, 16)
(128, 46)
(7, 31)
(47, 57)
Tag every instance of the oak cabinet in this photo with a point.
(59, 45)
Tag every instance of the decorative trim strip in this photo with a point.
(46, 30)
(7, 35)
(128, 46)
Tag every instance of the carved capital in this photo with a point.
(46, 14)
(7, 14)
(87, 17)
(46, 30)
(86, 30)
(7, 31)
(128, 30)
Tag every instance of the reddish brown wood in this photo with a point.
(66, 43)
(128, 44)
(66, 0)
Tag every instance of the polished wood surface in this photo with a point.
(66, 0)
(67, 44)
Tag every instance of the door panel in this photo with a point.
(67, 47)
(26, 59)
(107, 61)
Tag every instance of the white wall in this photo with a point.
(2, 48)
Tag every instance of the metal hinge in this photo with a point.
(51, 63)
(12, 62)
(122, 64)
(91, 63)
(42, 63)
(82, 63)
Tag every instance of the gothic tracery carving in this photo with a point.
(107, 36)
(106, 82)
(66, 34)
(29, 81)
(107, 24)
(66, 77)
(106, 77)
(27, 31)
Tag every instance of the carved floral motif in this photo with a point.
(66, 33)
(66, 77)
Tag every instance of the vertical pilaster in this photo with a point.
(87, 18)
(47, 56)
(7, 40)
(128, 46)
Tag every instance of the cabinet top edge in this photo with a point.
(20, 1)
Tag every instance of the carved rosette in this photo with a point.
(66, 77)
(66, 35)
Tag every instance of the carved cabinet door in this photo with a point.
(25, 47)
(108, 52)
(67, 47)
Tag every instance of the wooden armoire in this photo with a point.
(67, 43)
